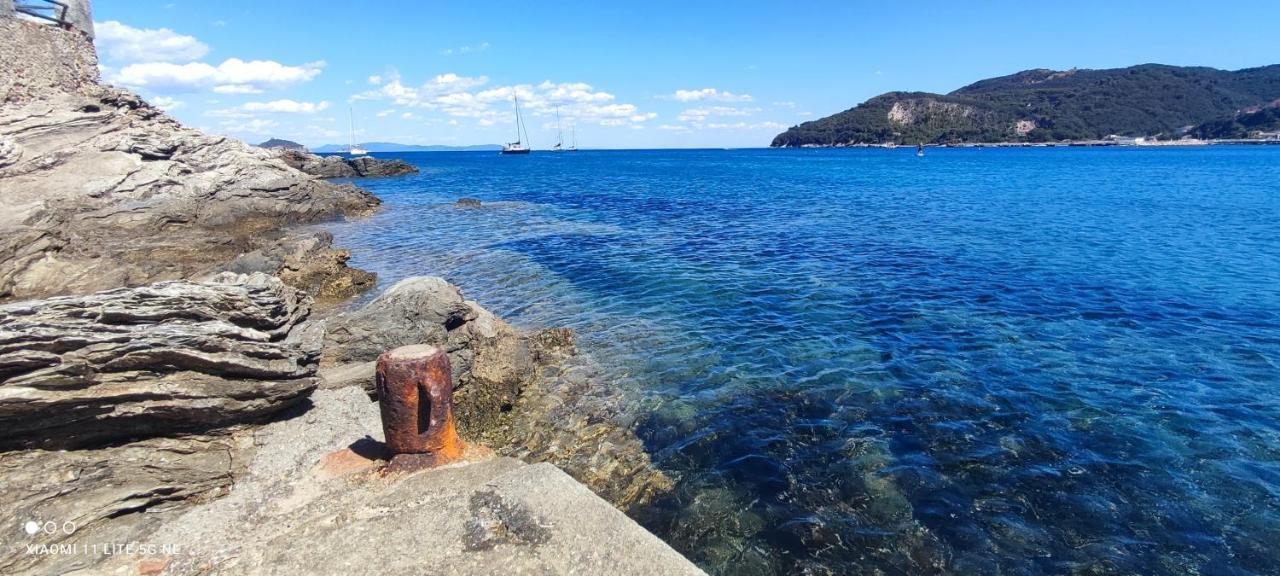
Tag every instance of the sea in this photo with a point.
(861, 361)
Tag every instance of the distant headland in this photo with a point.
(1140, 104)
(396, 147)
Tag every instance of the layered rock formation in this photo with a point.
(174, 356)
(340, 167)
(100, 189)
(124, 406)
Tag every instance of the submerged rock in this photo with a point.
(469, 202)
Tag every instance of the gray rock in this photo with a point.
(115, 494)
(340, 167)
(173, 356)
(417, 310)
(370, 166)
(101, 190)
(469, 202)
(491, 360)
(319, 166)
(527, 395)
(308, 262)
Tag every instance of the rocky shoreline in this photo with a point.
(172, 352)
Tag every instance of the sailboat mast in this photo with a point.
(351, 119)
(515, 101)
(559, 134)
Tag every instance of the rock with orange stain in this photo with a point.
(152, 566)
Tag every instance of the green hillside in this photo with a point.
(1047, 105)
(1246, 124)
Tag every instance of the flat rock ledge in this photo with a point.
(295, 512)
(137, 362)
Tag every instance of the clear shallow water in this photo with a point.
(1027, 361)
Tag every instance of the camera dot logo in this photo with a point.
(31, 527)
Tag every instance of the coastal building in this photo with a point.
(70, 14)
(1118, 140)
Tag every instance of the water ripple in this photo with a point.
(862, 362)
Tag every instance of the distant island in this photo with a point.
(395, 147)
(1147, 102)
(285, 144)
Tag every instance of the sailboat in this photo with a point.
(519, 146)
(920, 149)
(573, 146)
(559, 147)
(352, 149)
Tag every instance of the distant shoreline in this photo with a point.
(1060, 144)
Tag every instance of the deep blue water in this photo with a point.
(1024, 361)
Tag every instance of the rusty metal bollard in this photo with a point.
(415, 395)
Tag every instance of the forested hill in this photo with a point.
(1047, 105)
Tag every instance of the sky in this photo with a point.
(649, 74)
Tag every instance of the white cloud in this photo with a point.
(697, 115)
(461, 96)
(673, 127)
(253, 109)
(481, 47)
(125, 44)
(322, 132)
(233, 76)
(708, 95)
(286, 106)
(785, 104)
(166, 103)
(746, 126)
(236, 89)
(375, 79)
(408, 116)
(385, 113)
(255, 126)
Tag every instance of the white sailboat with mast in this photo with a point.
(573, 145)
(559, 147)
(521, 145)
(352, 149)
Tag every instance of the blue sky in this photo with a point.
(627, 74)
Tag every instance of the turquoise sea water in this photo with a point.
(1023, 361)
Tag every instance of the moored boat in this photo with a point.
(520, 146)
